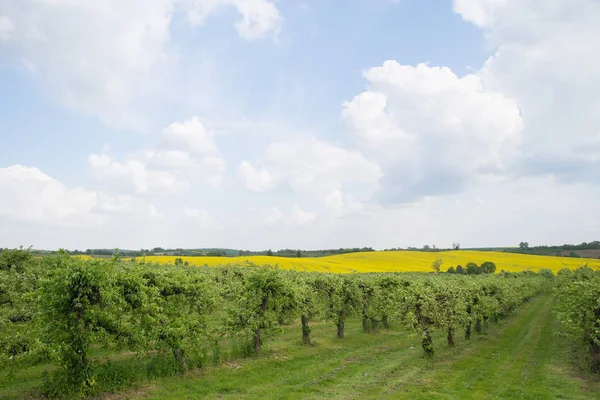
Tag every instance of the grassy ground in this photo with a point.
(520, 358)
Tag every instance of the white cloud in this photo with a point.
(273, 216)
(126, 206)
(136, 173)
(335, 199)
(6, 28)
(546, 59)
(30, 195)
(102, 58)
(112, 59)
(254, 179)
(190, 135)
(308, 166)
(301, 217)
(432, 131)
(191, 157)
(201, 218)
(259, 17)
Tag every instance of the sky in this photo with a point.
(309, 124)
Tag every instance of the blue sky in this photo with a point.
(302, 124)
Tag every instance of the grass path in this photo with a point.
(521, 358)
(525, 359)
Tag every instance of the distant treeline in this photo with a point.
(179, 252)
(584, 249)
(565, 250)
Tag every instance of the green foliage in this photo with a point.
(473, 269)
(546, 273)
(488, 267)
(76, 310)
(264, 295)
(451, 270)
(578, 308)
(177, 318)
(15, 259)
(436, 265)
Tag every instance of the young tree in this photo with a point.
(473, 269)
(265, 293)
(343, 299)
(368, 291)
(308, 304)
(488, 267)
(436, 265)
(451, 270)
(460, 269)
(425, 313)
(76, 303)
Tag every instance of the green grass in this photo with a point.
(519, 358)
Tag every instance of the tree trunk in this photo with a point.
(595, 350)
(366, 326)
(478, 325)
(386, 322)
(257, 339)
(427, 341)
(451, 337)
(305, 330)
(257, 332)
(340, 330)
(468, 331)
(179, 355)
(78, 343)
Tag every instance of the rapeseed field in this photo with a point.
(394, 261)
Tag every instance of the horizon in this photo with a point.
(358, 249)
(298, 124)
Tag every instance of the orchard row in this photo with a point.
(60, 309)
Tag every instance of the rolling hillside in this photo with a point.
(395, 261)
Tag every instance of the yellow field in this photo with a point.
(394, 261)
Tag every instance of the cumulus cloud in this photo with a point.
(545, 59)
(307, 166)
(30, 195)
(111, 59)
(432, 131)
(102, 58)
(191, 155)
(136, 173)
(190, 135)
(259, 17)
(33, 196)
(257, 180)
(126, 206)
